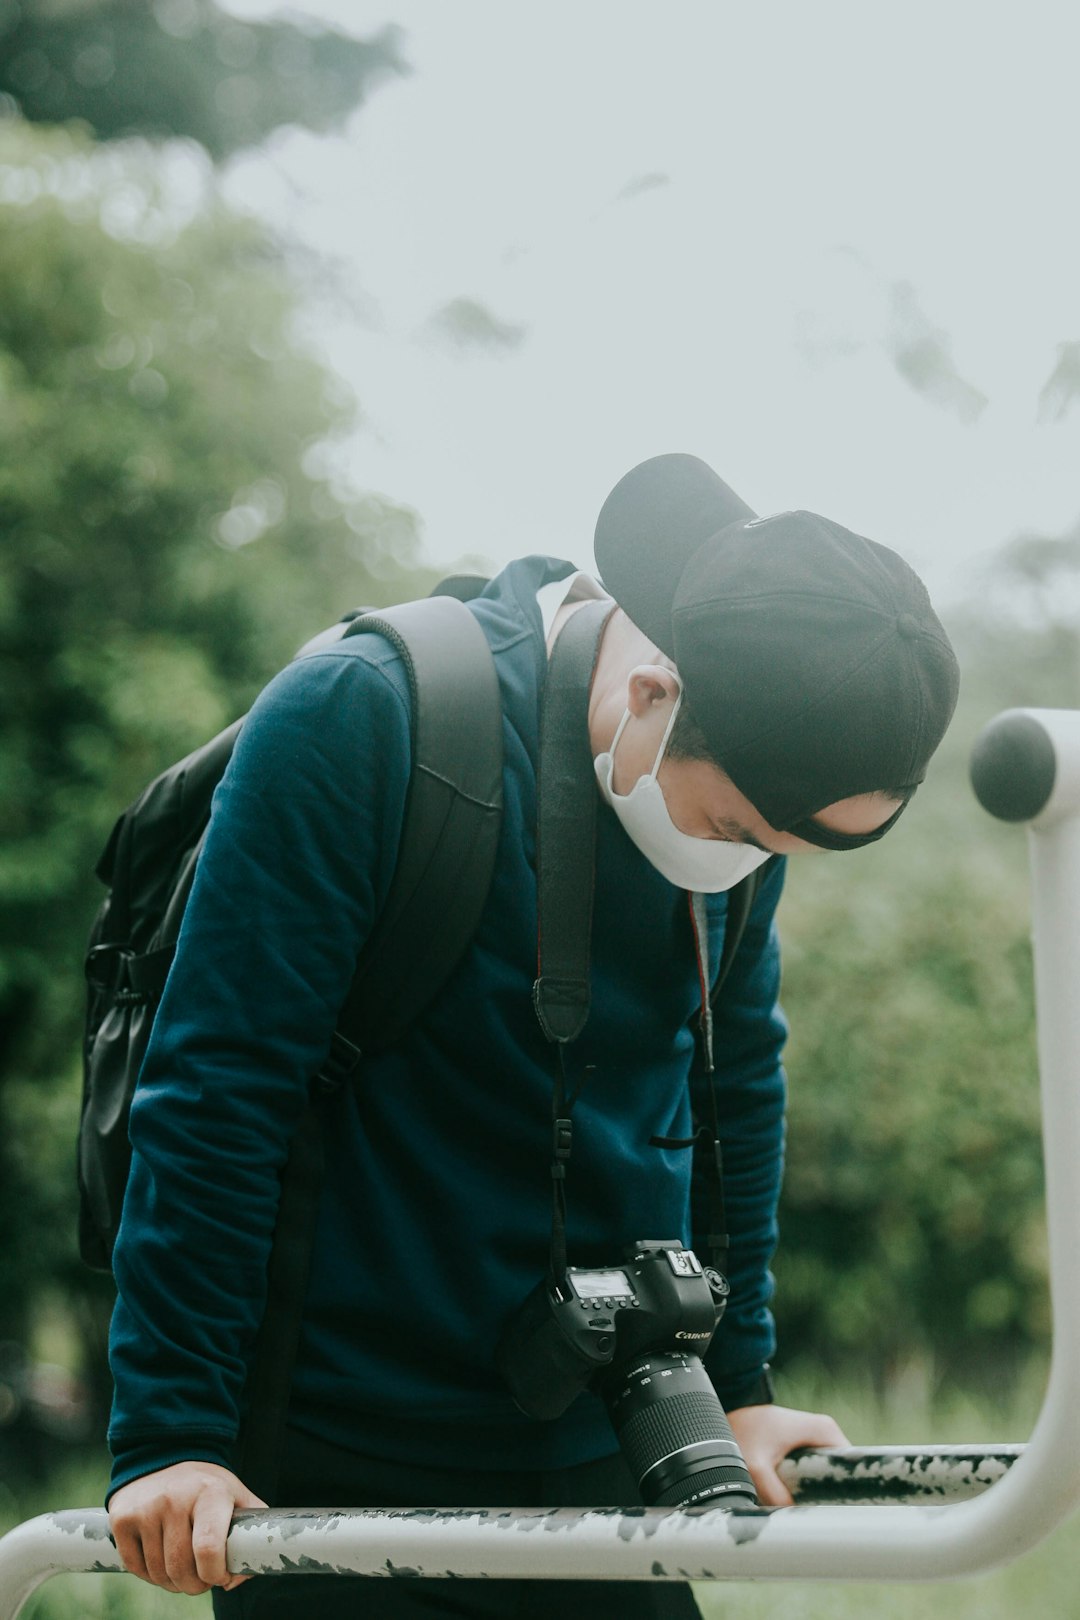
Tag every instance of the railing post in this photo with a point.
(75, 1541)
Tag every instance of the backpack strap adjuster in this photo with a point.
(131, 980)
(104, 966)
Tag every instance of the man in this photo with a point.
(764, 687)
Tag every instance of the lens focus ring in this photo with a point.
(681, 1420)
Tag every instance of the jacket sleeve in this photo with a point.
(300, 851)
(748, 1036)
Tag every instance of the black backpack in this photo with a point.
(443, 872)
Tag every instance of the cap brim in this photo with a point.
(649, 527)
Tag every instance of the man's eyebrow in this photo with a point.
(742, 835)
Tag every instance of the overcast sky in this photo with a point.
(831, 248)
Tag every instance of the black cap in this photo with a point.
(812, 660)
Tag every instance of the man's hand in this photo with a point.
(170, 1527)
(767, 1433)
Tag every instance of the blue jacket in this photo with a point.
(435, 1217)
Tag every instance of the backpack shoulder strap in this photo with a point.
(445, 862)
(452, 817)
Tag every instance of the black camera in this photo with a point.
(635, 1335)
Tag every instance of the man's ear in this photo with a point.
(649, 685)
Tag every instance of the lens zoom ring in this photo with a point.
(668, 1425)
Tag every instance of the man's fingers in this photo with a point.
(816, 1429)
(209, 1530)
(245, 1500)
(153, 1552)
(179, 1556)
(772, 1492)
(129, 1546)
(138, 1541)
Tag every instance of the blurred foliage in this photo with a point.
(182, 68)
(912, 1222)
(467, 326)
(923, 357)
(172, 530)
(1061, 389)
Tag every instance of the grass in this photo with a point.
(1045, 1584)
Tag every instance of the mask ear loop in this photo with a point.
(621, 727)
(667, 731)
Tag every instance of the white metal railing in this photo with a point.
(1031, 1488)
(365, 1543)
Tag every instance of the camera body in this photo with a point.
(565, 1338)
(635, 1333)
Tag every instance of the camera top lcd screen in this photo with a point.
(599, 1284)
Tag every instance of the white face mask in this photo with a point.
(703, 865)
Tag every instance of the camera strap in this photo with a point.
(708, 1168)
(566, 868)
(566, 875)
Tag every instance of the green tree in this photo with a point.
(912, 1220)
(170, 535)
(182, 67)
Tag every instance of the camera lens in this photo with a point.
(674, 1434)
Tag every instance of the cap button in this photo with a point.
(908, 626)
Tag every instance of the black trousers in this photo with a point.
(314, 1473)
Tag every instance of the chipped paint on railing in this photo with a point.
(896, 1473)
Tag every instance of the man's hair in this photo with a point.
(687, 741)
